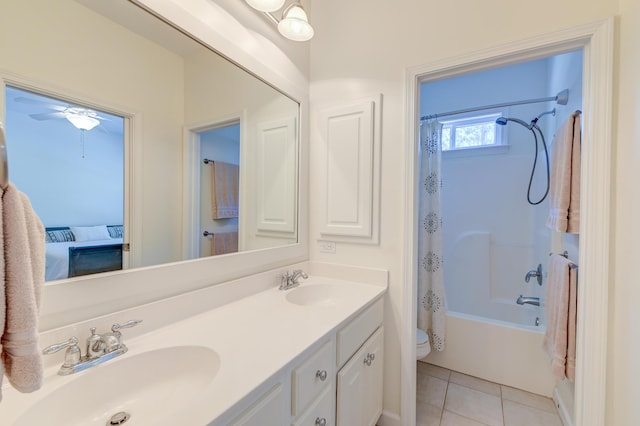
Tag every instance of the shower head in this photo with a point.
(502, 121)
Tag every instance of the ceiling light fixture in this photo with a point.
(294, 24)
(82, 121)
(266, 5)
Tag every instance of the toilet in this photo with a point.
(422, 344)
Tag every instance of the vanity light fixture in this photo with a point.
(266, 5)
(294, 24)
(82, 121)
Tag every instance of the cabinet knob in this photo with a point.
(321, 421)
(321, 374)
(369, 359)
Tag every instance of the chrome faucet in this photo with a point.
(290, 280)
(100, 348)
(524, 300)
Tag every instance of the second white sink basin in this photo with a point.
(149, 387)
(320, 294)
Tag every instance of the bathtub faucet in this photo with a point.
(524, 300)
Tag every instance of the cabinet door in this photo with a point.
(359, 401)
(268, 409)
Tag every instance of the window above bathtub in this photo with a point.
(473, 134)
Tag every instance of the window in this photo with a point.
(471, 132)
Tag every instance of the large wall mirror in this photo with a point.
(183, 154)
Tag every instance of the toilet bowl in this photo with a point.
(422, 344)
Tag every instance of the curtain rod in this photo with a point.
(561, 98)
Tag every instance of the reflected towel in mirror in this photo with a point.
(224, 186)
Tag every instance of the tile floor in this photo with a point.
(449, 398)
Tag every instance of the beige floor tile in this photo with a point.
(473, 404)
(431, 390)
(452, 419)
(528, 398)
(433, 370)
(428, 415)
(475, 383)
(521, 415)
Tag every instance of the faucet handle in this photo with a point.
(131, 323)
(59, 346)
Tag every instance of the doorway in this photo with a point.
(596, 43)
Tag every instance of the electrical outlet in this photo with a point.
(327, 246)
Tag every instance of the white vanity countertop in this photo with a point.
(255, 338)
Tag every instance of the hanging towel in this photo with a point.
(564, 193)
(22, 272)
(224, 242)
(224, 186)
(560, 306)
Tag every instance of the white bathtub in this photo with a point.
(497, 351)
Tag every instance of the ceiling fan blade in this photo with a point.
(99, 117)
(47, 115)
(40, 103)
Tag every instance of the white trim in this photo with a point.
(132, 166)
(191, 179)
(596, 39)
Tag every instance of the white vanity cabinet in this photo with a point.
(359, 397)
(271, 405)
(361, 358)
(338, 381)
(312, 383)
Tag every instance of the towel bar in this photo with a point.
(566, 255)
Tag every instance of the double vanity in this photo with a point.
(242, 353)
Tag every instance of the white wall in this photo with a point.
(366, 47)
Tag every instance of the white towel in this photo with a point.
(560, 306)
(22, 261)
(564, 192)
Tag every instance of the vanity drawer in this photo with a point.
(310, 377)
(322, 408)
(351, 337)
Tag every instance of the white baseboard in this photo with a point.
(388, 419)
(565, 416)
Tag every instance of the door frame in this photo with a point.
(596, 41)
(191, 178)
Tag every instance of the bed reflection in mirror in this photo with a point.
(129, 188)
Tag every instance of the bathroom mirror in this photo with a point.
(173, 94)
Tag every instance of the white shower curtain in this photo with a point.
(431, 303)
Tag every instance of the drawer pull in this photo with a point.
(321, 421)
(322, 375)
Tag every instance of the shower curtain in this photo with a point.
(431, 303)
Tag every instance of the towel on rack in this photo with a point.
(22, 254)
(560, 307)
(224, 187)
(224, 242)
(564, 192)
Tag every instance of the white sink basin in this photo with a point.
(320, 294)
(149, 387)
